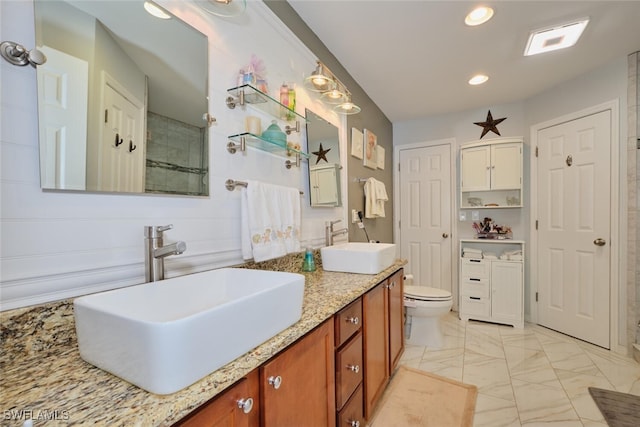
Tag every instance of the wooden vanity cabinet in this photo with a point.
(383, 317)
(231, 408)
(297, 387)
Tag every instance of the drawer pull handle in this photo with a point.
(354, 368)
(353, 423)
(475, 260)
(474, 280)
(246, 405)
(275, 382)
(354, 320)
(475, 298)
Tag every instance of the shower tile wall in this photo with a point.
(175, 153)
(633, 182)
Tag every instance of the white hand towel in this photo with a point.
(375, 194)
(270, 216)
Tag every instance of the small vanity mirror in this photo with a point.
(122, 99)
(323, 145)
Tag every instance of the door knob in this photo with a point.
(445, 235)
(599, 242)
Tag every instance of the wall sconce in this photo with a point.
(224, 8)
(333, 92)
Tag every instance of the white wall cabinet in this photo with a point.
(493, 289)
(491, 174)
(325, 185)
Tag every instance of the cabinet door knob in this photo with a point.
(353, 423)
(275, 382)
(355, 320)
(354, 368)
(246, 405)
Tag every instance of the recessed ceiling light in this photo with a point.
(554, 38)
(155, 10)
(478, 79)
(478, 16)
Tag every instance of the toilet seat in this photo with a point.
(426, 293)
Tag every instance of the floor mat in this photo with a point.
(618, 409)
(419, 399)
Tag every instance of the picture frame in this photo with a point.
(380, 156)
(370, 158)
(357, 142)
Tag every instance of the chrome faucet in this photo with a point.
(155, 252)
(330, 233)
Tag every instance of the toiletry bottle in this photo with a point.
(284, 97)
(308, 264)
(291, 100)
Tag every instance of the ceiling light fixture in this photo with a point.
(155, 10)
(224, 8)
(478, 16)
(478, 79)
(333, 92)
(556, 37)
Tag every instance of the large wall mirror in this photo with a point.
(323, 145)
(122, 99)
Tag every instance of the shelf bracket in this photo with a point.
(288, 129)
(232, 147)
(289, 163)
(232, 101)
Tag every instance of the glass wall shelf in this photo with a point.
(265, 145)
(247, 94)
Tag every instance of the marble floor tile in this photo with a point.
(533, 377)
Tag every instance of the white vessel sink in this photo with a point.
(166, 335)
(357, 257)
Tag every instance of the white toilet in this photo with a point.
(424, 308)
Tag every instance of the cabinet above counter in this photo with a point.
(491, 174)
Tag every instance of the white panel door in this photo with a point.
(425, 214)
(62, 94)
(574, 227)
(122, 147)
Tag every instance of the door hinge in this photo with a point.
(398, 167)
(106, 116)
(536, 151)
(536, 297)
(536, 224)
(399, 225)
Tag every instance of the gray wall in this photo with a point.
(369, 118)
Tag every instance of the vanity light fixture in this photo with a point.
(223, 8)
(478, 79)
(348, 107)
(478, 16)
(556, 37)
(333, 92)
(155, 10)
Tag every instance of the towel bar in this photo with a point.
(361, 179)
(231, 185)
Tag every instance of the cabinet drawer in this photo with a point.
(353, 411)
(348, 321)
(476, 268)
(475, 287)
(348, 369)
(475, 305)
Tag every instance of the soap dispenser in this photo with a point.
(308, 264)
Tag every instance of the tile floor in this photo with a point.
(526, 377)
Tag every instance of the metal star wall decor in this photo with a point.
(490, 124)
(322, 154)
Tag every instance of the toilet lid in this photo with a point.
(426, 293)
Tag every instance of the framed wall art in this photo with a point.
(370, 142)
(357, 141)
(380, 156)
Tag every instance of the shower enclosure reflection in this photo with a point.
(122, 99)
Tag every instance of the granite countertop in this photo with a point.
(42, 376)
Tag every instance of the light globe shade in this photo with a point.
(347, 108)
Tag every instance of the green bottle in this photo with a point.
(308, 264)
